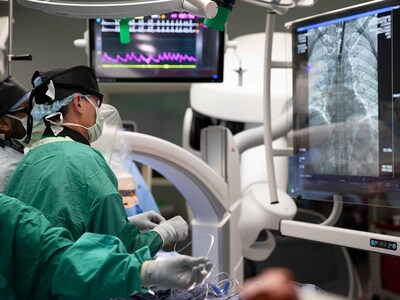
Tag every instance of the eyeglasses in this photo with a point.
(22, 109)
(94, 99)
(98, 101)
(96, 94)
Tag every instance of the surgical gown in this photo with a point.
(9, 159)
(38, 261)
(72, 185)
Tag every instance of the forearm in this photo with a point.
(98, 267)
(109, 217)
(133, 239)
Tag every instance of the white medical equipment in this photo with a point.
(351, 238)
(211, 189)
(243, 103)
(122, 9)
(130, 9)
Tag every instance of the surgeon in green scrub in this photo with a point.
(38, 261)
(13, 127)
(69, 181)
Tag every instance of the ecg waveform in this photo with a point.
(165, 57)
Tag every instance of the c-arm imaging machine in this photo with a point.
(211, 189)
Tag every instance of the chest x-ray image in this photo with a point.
(343, 97)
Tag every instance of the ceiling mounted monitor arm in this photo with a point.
(122, 9)
(11, 57)
(203, 8)
(367, 241)
(269, 32)
(273, 8)
(281, 6)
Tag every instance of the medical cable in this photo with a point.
(212, 239)
(224, 288)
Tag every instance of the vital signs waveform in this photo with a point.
(150, 59)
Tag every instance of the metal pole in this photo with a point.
(269, 32)
(10, 34)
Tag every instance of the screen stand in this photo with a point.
(326, 233)
(336, 211)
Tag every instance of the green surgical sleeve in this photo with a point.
(98, 267)
(109, 217)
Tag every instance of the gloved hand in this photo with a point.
(179, 272)
(172, 230)
(146, 220)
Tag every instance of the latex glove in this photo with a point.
(179, 272)
(173, 230)
(146, 220)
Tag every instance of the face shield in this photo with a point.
(114, 150)
(107, 141)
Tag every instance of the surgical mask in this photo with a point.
(94, 132)
(24, 122)
(38, 128)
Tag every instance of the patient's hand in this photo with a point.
(272, 284)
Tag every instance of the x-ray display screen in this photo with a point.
(174, 47)
(347, 102)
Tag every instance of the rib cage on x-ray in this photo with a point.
(343, 93)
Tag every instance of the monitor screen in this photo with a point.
(346, 101)
(174, 47)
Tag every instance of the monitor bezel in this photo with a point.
(334, 14)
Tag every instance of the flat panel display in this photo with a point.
(174, 47)
(346, 99)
